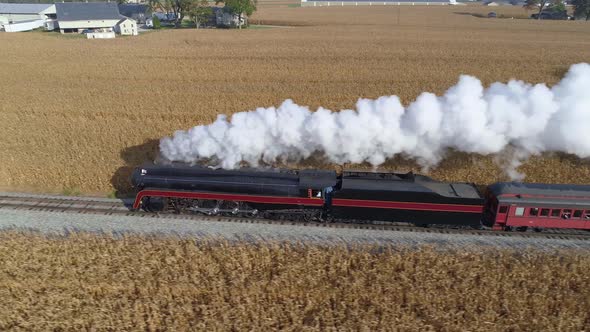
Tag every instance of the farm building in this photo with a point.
(225, 19)
(25, 16)
(138, 12)
(101, 34)
(126, 27)
(18, 12)
(165, 17)
(74, 17)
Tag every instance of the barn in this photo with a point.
(74, 17)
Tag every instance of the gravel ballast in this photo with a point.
(61, 223)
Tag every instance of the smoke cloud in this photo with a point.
(524, 118)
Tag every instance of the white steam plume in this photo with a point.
(529, 119)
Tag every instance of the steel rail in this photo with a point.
(89, 205)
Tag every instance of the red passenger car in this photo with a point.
(511, 205)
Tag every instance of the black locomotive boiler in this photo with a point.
(307, 194)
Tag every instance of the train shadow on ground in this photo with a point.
(133, 156)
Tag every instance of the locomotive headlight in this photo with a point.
(143, 171)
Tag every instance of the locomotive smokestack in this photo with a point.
(527, 119)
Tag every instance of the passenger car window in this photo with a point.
(577, 213)
(519, 211)
(587, 214)
(544, 212)
(555, 212)
(567, 213)
(503, 209)
(533, 211)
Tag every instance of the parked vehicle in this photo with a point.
(552, 15)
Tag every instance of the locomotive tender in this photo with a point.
(325, 195)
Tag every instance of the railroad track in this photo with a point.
(112, 207)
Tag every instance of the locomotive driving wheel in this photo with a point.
(154, 204)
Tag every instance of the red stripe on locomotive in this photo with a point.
(407, 205)
(228, 197)
(309, 201)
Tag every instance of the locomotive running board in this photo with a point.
(227, 197)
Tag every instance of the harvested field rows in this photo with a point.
(78, 114)
(98, 282)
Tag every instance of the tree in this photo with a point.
(540, 4)
(240, 7)
(156, 22)
(558, 6)
(179, 8)
(200, 12)
(582, 9)
(154, 4)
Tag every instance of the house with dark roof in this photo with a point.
(135, 11)
(75, 17)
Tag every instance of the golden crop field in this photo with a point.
(78, 114)
(89, 282)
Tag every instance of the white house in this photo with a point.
(126, 27)
(75, 17)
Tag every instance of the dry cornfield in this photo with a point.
(97, 282)
(79, 114)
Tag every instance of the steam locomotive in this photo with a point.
(391, 197)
